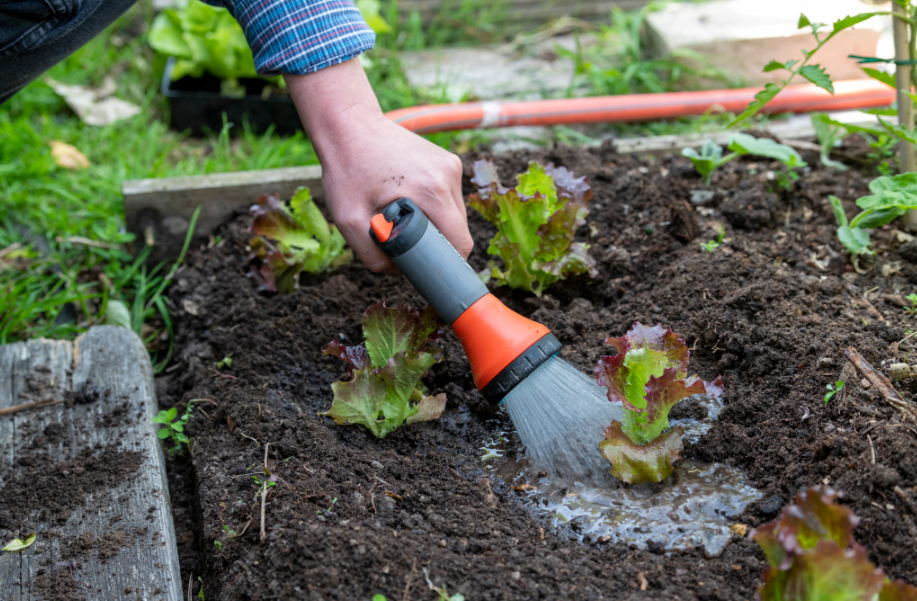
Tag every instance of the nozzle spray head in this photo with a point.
(502, 346)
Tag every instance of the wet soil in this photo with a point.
(772, 310)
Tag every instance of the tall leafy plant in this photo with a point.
(904, 15)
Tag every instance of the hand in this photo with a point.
(368, 161)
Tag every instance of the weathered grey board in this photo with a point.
(159, 210)
(113, 361)
(162, 208)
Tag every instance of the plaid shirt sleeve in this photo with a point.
(300, 36)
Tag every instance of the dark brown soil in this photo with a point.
(56, 488)
(772, 310)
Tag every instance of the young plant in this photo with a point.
(913, 308)
(302, 241)
(833, 389)
(708, 159)
(813, 556)
(814, 73)
(384, 390)
(712, 245)
(174, 427)
(892, 196)
(648, 376)
(536, 222)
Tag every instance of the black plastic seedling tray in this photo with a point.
(197, 105)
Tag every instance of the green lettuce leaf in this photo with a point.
(813, 555)
(899, 191)
(536, 223)
(384, 390)
(634, 463)
(289, 241)
(828, 573)
(765, 147)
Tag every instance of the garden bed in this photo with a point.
(773, 310)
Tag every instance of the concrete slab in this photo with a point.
(741, 36)
(491, 73)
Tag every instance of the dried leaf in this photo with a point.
(17, 544)
(68, 156)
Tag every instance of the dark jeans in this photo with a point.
(37, 34)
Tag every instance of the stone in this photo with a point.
(741, 36)
(770, 505)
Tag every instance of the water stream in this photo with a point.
(694, 507)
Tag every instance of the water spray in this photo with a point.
(559, 412)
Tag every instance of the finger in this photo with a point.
(451, 222)
(355, 230)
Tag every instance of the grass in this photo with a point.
(64, 254)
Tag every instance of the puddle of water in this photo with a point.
(692, 508)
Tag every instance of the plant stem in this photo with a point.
(264, 492)
(904, 50)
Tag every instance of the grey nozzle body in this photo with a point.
(429, 262)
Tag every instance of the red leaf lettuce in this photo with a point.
(813, 556)
(536, 222)
(288, 241)
(384, 390)
(648, 376)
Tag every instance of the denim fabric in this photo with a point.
(37, 34)
(286, 36)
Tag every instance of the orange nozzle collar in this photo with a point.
(494, 336)
(381, 228)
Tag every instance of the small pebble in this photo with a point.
(377, 465)
(825, 363)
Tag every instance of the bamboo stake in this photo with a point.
(907, 154)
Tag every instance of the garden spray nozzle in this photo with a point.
(502, 346)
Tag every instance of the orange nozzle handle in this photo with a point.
(494, 336)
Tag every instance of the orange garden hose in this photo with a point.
(802, 98)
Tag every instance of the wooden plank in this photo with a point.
(158, 211)
(127, 521)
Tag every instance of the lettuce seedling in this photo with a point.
(648, 376)
(535, 222)
(384, 389)
(892, 196)
(812, 555)
(708, 159)
(288, 241)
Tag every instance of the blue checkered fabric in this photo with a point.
(300, 36)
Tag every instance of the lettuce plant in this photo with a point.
(288, 241)
(813, 556)
(536, 222)
(384, 390)
(892, 196)
(648, 376)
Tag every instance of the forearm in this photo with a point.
(334, 104)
